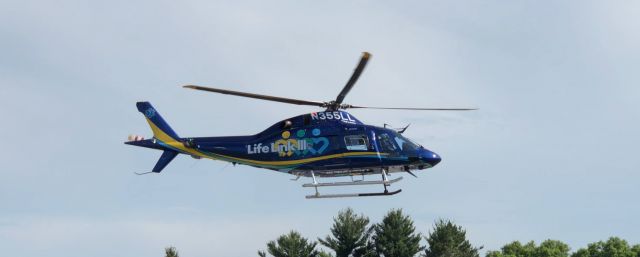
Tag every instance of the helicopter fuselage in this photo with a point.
(330, 143)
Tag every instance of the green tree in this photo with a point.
(291, 245)
(614, 247)
(368, 250)
(349, 234)
(548, 248)
(322, 253)
(396, 236)
(516, 249)
(552, 248)
(449, 240)
(170, 252)
(636, 250)
(494, 254)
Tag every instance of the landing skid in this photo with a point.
(385, 182)
(316, 196)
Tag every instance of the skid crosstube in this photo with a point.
(354, 183)
(385, 182)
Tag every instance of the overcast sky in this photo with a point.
(552, 153)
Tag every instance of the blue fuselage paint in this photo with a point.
(330, 143)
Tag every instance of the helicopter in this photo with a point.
(326, 144)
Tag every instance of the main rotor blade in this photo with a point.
(408, 108)
(257, 96)
(354, 77)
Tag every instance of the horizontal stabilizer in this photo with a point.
(148, 143)
(166, 157)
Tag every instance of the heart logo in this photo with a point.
(325, 144)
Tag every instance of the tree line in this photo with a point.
(353, 235)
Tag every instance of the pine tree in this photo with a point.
(449, 240)
(291, 245)
(170, 252)
(349, 234)
(396, 236)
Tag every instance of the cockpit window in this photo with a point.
(404, 143)
(386, 143)
(400, 142)
(356, 142)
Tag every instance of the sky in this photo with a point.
(551, 154)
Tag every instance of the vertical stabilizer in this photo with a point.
(161, 130)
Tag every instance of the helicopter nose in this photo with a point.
(430, 157)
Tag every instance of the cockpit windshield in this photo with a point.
(404, 143)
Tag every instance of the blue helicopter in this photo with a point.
(324, 144)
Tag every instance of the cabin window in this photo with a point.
(356, 142)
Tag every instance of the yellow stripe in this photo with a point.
(301, 161)
(173, 142)
(160, 135)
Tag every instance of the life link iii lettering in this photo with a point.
(283, 149)
(288, 146)
(341, 116)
